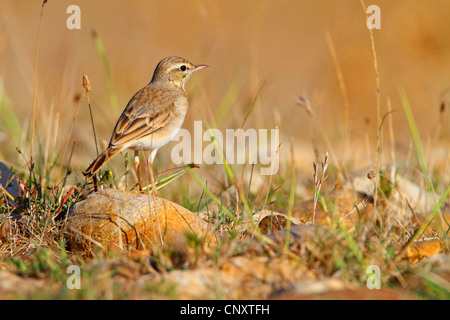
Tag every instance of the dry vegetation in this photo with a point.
(364, 155)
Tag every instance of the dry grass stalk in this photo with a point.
(378, 104)
(304, 102)
(33, 117)
(344, 93)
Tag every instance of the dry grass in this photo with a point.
(346, 71)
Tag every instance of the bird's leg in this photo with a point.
(136, 165)
(150, 169)
(152, 177)
(94, 178)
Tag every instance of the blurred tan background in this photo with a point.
(279, 46)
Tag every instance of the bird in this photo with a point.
(153, 116)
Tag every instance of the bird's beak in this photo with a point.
(198, 67)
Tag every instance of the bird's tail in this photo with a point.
(104, 157)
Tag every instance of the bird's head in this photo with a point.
(175, 71)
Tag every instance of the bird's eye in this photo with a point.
(183, 68)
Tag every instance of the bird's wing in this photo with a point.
(148, 111)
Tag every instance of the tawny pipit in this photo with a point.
(153, 116)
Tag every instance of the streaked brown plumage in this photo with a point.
(153, 116)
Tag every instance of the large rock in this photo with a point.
(124, 220)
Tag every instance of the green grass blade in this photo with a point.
(211, 196)
(353, 246)
(230, 174)
(229, 100)
(290, 207)
(9, 119)
(161, 183)
(429, 218)
(416, 139)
